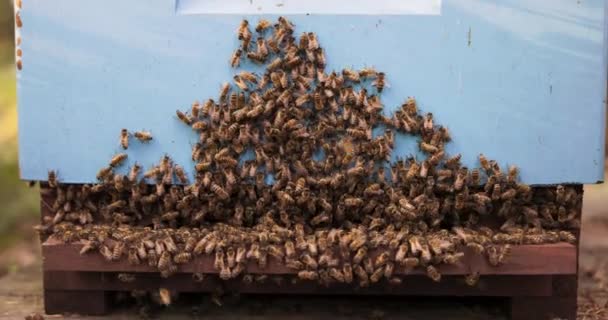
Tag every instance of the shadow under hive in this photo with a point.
(336, 217)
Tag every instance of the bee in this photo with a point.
(52, 179)
(351, 75)
(262, 25)
(461, 178)
(433, 273)
(224, 90)
(496, 192)
(143, 136)
(118, 159)
(256, 57)
(368, 73)
(102, 174)
(164, 260)
(309, 261)
(165, 296)
(485, 164)
(18, 21)
(219, 191)
(567, 237)
(235, 60)
(88, 246)
(118, 251)
(239, 82)
(181, 174)
(475, 177)
(508, 195)
(124, 138)
(308, 275)
(184, 117)
(379, 82)
(512, 175)
(126, 277)
(249, 77)
(453, 162)
(353, 202)
(360, 255)
(376, 275)
(472, 279)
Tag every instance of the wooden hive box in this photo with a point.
(522, 82)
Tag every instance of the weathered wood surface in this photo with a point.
(416, 285)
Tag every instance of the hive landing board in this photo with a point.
(522, 81)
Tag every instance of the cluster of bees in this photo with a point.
(318, 192)
(333, 255)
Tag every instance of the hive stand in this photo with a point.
(537, 281)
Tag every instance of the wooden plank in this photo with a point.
(81, 302)
(549, 259)
(543, 308)
(415, 285)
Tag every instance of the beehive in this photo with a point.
(494, 81)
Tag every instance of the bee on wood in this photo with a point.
(164, 296)
(134, 172)
(308, 275)
(472, 279)
(427, 147)
(433, 273)
(164, 261)
(118, 251)
(182, 257)
(124, 138)
(567, 237)
(275, 64)
(126, 277)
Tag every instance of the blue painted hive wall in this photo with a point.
(522, 81)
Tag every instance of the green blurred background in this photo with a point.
(19, 207)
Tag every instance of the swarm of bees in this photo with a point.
(319, 195)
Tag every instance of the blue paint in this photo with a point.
(90, 70)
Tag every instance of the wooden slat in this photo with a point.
(549, 259)
(496, 286)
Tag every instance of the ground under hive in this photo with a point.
(319, 194)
